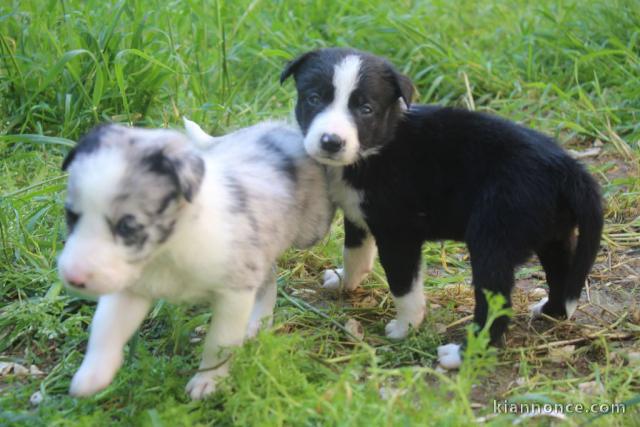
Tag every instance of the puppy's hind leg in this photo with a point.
(556, 258)
(229, 320)
(493, 272)
(359, 254)
(262, 312)
(117, 318)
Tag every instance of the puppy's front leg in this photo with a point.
(401, 258)
(229, 321)
(117, 318)
(359, 253)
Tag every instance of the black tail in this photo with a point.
(583, 195)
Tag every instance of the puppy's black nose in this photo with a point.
(331, 143)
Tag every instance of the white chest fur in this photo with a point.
(346, 197)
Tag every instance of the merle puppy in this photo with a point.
(154, 213)
(406, 174)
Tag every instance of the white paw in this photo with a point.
(396, 329)
(255, 325)
(91, 378)
(449, 356)
(252, 329)
(332, 278)
(570, 308)
(201, 385)
(536, 309)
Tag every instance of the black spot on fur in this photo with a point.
(353, 235)
(158, 163)
(166, 201)
(241, 206)
(185, 172)
(71, 218)
(287, 164)
(239, 194)
(87, 144)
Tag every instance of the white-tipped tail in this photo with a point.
(196, 134)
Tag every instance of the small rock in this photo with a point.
(434, 306)
(36, 398)
(561, 354)
(520, 381)
(592, 388)
(538, 293)
(33, 370)
(355, 328)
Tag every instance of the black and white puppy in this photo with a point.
(154, 213)
(404, 175)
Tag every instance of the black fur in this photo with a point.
(87, 144)
(287, 165)
(185, 169)
(443, 173)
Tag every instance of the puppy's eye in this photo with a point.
(365, 110)
(71, 217)
(313, 99)
(126, 226)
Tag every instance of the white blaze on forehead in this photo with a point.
(96, 177)
(345, 80)
(336, 118)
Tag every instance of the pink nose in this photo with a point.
(76, 278)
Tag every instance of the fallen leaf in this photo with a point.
(367, 302)
(8, 368)
(561, 354)
(354, 328)
(538, 293)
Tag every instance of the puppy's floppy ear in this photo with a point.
(404, 86)
(182, 165)
(69, 158)
(293, 65)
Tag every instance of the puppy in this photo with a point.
(405, 175)
(157, 214)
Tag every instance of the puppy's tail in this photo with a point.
(196, 134)
(583, 194)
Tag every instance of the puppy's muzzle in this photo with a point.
(331, 143)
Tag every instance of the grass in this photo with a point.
(568, 68)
